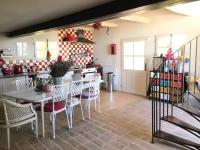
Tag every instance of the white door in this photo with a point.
(134, 75)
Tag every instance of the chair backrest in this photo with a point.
(61, 92)
(22, 84)
(76, 87)
(11, 112)
(94, 87)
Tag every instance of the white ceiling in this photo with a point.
(146, 16)
(20, 13)
(153, 15)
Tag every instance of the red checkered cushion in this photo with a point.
(49, 106)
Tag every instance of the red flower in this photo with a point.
(59, 58)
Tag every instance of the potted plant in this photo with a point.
(40, 82)
(58, 70)
(44, 84)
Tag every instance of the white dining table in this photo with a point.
(32, 96)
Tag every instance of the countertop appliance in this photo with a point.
(88, 73)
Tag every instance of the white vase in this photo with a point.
(58, 80)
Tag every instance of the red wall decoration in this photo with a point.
(113, 49)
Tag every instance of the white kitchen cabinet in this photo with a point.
(8, 84)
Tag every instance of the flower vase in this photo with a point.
(49, 88)
(58, 80)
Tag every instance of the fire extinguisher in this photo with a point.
(113, 49)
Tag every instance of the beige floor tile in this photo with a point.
(125, 123)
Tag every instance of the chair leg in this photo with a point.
(36, 128)
(82, 111)
(73, 111)
(66, 111)
(98, 103)
(95, 105)
(53, 125)
(50, 116)
(88, 109)
(8, 138)
(73, 114)
(71, 119)
(32, 126)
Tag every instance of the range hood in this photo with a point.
(81, 38)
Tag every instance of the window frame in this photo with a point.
(46, 49)
(35, 49)
(30, 50)
(49, 49)
(22, 49)
(133, 56)
(170, 42)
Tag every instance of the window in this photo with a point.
(41, 48)
(53, 49)
(164, 43)
(22, 50)
(134, 55)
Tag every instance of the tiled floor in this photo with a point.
(125, 123)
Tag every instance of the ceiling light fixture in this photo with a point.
(188, 9)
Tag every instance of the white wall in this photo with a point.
(159, 26)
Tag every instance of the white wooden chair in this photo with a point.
(13, 115)
(75, 99)
(22, 84)
(58, 103)
(92, 94)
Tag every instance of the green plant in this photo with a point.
(49, 80)
(41, 82)
(59, 68)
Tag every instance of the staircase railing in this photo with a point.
(171, 86)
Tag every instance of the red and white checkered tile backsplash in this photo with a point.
(41, 65)
(68, 48)
(65, 49)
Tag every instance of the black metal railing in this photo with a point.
(171, 85)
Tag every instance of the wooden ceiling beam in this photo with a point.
(110, 10)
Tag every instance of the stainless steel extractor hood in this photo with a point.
(81, 38)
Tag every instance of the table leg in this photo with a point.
(42, 115)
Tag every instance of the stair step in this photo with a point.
(180, 123)
(189, 109)
(195, 95)
(175, 139)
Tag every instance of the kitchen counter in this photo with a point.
(23, 74)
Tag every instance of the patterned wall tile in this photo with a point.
(65, 49)
(68, 48)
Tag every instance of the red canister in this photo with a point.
(17, 69)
